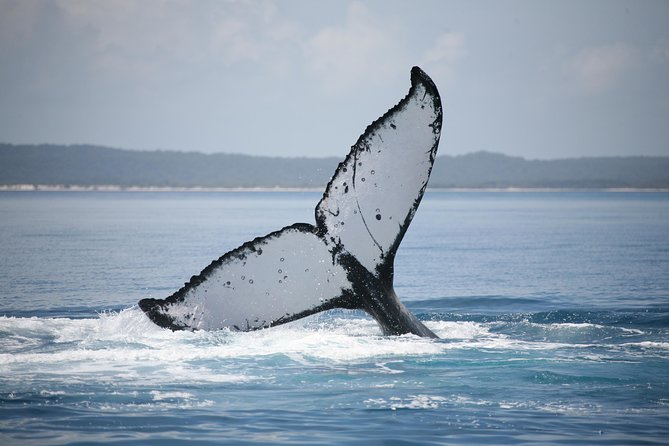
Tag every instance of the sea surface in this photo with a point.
(552, 308)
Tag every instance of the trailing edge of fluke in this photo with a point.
(346, 259)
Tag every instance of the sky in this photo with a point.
(536, 79)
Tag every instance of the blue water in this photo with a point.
(552, 308)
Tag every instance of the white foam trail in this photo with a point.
(648, 345)
(411, 402)
(161, 396)
(588, 326)
(127, 345)
(460, 330)
(425, 401)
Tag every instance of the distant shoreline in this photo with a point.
(116, 188)
(83, 168)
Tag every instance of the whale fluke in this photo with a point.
(346, 259)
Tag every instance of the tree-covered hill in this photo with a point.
(84, 165)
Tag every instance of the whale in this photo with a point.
(344, 260)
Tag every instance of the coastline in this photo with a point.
(117, 188)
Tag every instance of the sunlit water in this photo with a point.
(552, 308)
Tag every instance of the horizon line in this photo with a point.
(196, 152)
(161, 189)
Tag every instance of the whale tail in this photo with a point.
(346, 260)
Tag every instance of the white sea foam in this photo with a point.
(460, 330)
(570, 327)
(572, 409)
(648, 345)
(426, 401)
(128, 346)
(421, 401)
(161, 396)
(589, 326)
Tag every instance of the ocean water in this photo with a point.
(552, 308)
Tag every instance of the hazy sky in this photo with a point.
(539, 79)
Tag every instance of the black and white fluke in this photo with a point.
(346, 259)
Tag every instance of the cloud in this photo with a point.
(362, 49)
(256, 32)
(128, 40)
(660, 53)
(599, 68)
(16, 21)
(440, 59)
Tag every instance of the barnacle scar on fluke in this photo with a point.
(346, 259)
